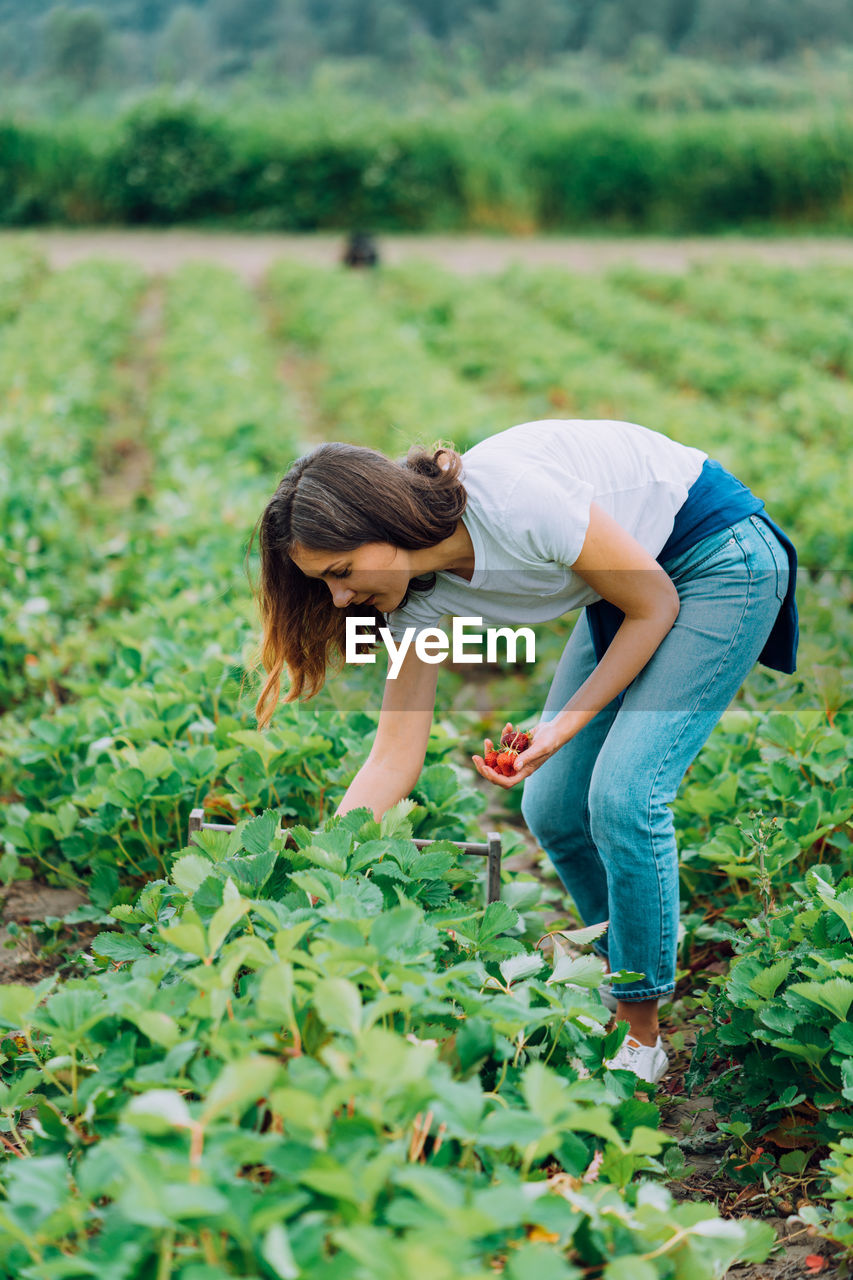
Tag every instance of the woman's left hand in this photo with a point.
(545, 739)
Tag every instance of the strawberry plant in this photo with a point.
(779, 1019)
(301, 1059)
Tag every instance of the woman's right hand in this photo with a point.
(546, 738)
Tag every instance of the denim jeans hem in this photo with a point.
(645, 993)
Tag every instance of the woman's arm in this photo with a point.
(621, 571)
(396, 758)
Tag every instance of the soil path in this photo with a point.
(250, 254)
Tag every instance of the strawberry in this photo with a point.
(515, 738)
(505, 763)
(491, 759)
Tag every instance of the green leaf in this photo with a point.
(158, 1026)
(811, 1053)
(250, 872)
(256, 741)
(540, 1262)
(238, 1085)
(496, 918)
(514, 968)
(129, 783)
(73, 1011)
(118, 947)
(768, 980)
(579, 937)
(438, 782)
(17, 1003)
(847, 1079)
(233, 909)
(259, 833)
(213, 843)
(186, 937)
(630, 1267)
(432, 865)
(155, 761)
(338, 1003)
(581, 971)
(275, 997)
(40, 1183)
(826, 892)
(166, 1108)
(402, 933)
(460, 1106)
(544, 1092)
(780, 1018)
(325, 858)
(277, 1253)
(190, 871)
(183, 1200)
(502, 1128)
(794, 1161)
(836, 995)
(394, 821)
(287, 941)
(841, 1036)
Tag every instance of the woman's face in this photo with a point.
(375, 574)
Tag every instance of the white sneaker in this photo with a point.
(648, 1062)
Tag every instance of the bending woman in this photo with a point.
(685, 583)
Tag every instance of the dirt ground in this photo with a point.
(28, 902)
(250, 254)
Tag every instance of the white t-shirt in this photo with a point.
(529, 493)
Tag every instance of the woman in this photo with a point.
(685, 584)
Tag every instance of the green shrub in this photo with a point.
(515, 165)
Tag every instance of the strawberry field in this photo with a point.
(328, 1058)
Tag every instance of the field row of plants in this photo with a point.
(331, 1059)
(482, 164)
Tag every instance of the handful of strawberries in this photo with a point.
(513, 742)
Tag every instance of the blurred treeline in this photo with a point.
(387, 47)
(517, 115)
(484, 163)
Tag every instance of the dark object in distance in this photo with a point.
(361, 251)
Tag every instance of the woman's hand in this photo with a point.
(546, 738)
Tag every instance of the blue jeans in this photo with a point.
(600, 807)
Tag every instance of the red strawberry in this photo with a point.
(516, 738)
(505, 763)
(491, 759)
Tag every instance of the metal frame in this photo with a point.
(491, 849)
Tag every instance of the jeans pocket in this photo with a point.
(777, 551)
(699, 554)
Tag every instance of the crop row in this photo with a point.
(523, 337)
(379, 385)
(61, 389)
(820, 334)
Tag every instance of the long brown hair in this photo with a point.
(336, 498)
